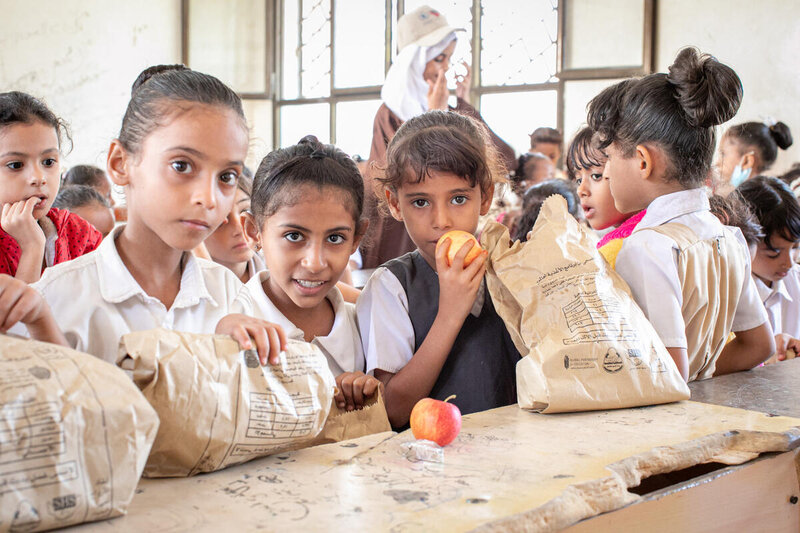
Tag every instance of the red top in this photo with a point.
(75, 237)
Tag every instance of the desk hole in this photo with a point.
(480, 500)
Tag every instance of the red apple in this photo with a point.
(436, 420)
(457, 239)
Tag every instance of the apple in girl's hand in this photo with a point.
(457, 240)
(436, 420)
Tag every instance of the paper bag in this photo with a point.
(585, 343)
(74, 437)
(218, 406)
(343, 425)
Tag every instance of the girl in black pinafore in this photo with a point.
(430, 329)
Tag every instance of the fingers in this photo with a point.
(347, 390)
(780, 346)
(23, 309)
(477, 268)
(441, 255)
(263, 344)
(27, 208)
(371, 386)
(458, 259)
(338, 396)
(240, 335)
(358, 391)
(275, 346)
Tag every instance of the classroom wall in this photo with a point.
(81, 57)
(760, 40)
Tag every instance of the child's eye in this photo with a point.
(578, 181)
(597, 177)
(420, 203)
(14, 165)
(336, 238)
(459, 200)
(293, 236)
(229, 178)
(182, 167)
(50, 162)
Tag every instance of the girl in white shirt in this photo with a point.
(776, 274)
(688, 273)
(179, 154)
(306, 214)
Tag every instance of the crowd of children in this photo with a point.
(716, 276)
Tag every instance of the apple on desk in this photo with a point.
(436, 420)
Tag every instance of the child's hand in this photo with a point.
(353, 387)
(783, 344)
(19, 302)
(458, 286)
(270, 338)
(438, 93)
(17, 220)
(464, 83)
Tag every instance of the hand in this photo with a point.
(353, 387)
(19, 302)
(458, 285)
(270, 338)
(17, 220)
(784, 343)
(438, 93)
(464, 83)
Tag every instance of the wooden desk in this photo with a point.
(509, 470)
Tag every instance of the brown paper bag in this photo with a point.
(585, 343)
(74, 437)
(218, 406)
(343, 425)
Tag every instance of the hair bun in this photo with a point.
(781, 134)
(310, 140)
(708, 91)
(155, 70)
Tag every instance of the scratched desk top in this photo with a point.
(769, 389)
(507, 468)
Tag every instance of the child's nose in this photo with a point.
(442, 218)
(314, 258)
(205, 192)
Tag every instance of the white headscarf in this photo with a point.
(405, 92)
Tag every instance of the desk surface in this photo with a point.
(771, 389)
(508, 468)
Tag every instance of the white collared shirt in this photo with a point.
(383, 318)
(342, 346)
(782, 302)
(95, 299)
(648, 263)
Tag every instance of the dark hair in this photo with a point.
(774, 205)
(583, 154)
(84, 175)
(676, 112)
(790, 175)
(732, 210)
(762, 139)
(21, 108)
(308, 162)
(535, 197)
(73, 196)
(546, 135)
(519, 173)
(156, 86)
(245, 183)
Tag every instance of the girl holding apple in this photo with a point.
(428, 325)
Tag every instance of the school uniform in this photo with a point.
(70, 237)
(691, 277)
(395, 313)
(95, 299)
(782, 302)
(342, 346)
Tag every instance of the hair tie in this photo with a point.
(318, 154)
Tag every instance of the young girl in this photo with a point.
(33, 235)
(178, 156)
(306, 215)
(688, 273)
(749, 149)
(532, 205)
(429, 328)
(228, 245)
(586, 166)
(776, 274)
(88, 204)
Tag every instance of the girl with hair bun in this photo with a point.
(688, 272)
(749, 149)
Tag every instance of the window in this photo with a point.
(320, 68)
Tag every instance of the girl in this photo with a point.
(688, 273)
(178, 156)
(549, 142)
(776, 274)
(88, 204)
(33, 235)
(228, 245)
(532, 204)
(532, 168)
(748, 150)
(430, 329)
(586, 166)
(90, 176)
(306, 216)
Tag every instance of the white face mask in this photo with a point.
(740, 175)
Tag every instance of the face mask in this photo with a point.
(739, 175)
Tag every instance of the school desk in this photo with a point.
(509, 470)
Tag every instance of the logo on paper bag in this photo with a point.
(612, 362)
(251, 359)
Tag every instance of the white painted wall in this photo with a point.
(760, 40)
(81, 57)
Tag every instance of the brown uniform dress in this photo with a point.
(386, 237)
